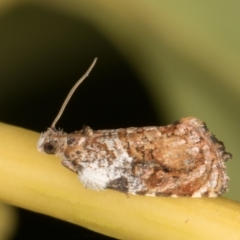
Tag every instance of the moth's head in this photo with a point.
(50, 142)
(53, 141)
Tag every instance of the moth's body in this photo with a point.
(181, 159)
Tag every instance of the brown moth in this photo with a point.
(178, 160)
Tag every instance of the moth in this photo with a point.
(178, 160)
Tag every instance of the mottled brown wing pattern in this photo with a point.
(181, 159)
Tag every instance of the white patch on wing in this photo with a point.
(97, 173)
(93, 178)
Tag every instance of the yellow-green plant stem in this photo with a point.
(39, 183)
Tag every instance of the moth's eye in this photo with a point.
(50, 147)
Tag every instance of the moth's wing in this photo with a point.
(99, 159)
(181, 159)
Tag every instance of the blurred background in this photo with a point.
(158, 61)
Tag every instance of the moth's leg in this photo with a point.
(68, 164)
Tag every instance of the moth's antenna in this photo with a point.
(71, 93)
